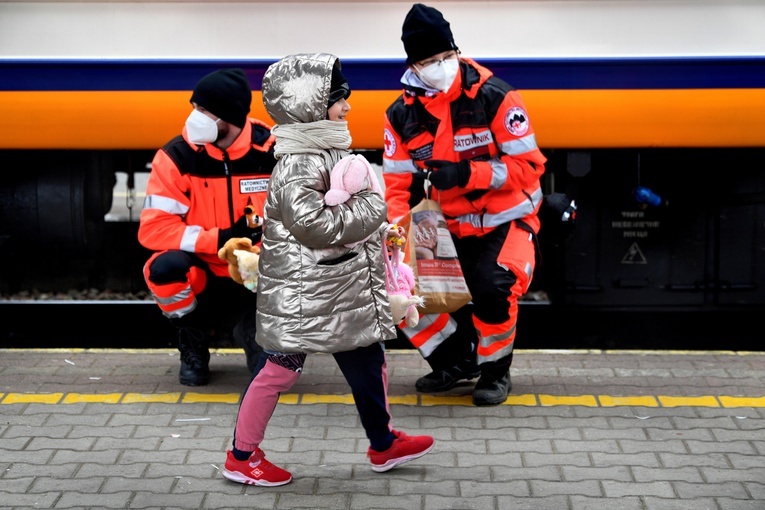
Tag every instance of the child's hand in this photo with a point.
(396, 235)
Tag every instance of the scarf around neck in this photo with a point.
(327, 138)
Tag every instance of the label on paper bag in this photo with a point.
(445, 247)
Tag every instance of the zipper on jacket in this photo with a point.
(229, 186)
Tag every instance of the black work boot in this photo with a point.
(447, 378)
(492, 388)
(195, 357)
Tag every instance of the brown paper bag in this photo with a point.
(431, 253)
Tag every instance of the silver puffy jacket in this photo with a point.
(314, 294)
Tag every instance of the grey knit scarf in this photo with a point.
(327, 138)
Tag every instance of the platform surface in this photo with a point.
(642, 430)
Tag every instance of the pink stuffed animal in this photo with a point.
(400, 281)
(349, 176)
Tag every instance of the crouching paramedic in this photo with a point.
(470, 133)
(201, 184)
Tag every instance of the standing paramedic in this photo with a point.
(470, 133)
(200, 185)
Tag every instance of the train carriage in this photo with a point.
(663, 97)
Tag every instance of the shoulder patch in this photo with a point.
(389, 143)
(516, 121)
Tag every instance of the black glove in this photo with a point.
(239, 229)
(417, 188)
(561, 206)
(558, 217)
(447, 175)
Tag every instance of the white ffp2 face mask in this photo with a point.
(200, 128)
(440, 75)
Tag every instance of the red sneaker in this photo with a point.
(255, 471)
(403, 449)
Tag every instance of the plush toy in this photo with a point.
(349, 176)
(253, 220)
(400, 281)
(242, 258)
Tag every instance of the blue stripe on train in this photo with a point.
(384, 74)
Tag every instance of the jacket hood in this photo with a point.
(474, 75)
(296, 88)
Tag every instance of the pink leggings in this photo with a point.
(259, 403)
(365, 370)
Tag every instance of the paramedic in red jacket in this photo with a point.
(200, 184)
(470, 133)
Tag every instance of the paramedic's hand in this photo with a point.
(240, 229)
(447, 175)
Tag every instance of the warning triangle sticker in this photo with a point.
(634, 255)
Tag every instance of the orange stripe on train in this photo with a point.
(562, 118)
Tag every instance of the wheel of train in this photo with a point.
(56, 200)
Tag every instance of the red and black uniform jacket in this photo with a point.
(194, 191)
(481, 119)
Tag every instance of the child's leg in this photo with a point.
(280, 373)
(365, 369)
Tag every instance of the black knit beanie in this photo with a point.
(425, 33)
(225, 93)
(338, 88)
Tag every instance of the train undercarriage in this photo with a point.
(668, 240)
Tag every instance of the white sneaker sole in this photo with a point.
(235, 476)
(397, 462)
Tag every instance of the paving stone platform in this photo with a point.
(582, 430)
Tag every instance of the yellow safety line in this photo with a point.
(530, 400)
